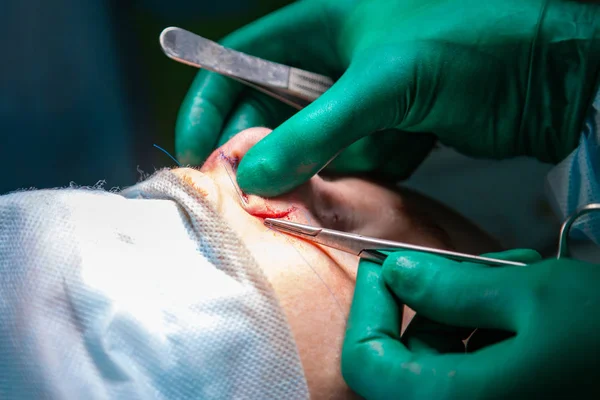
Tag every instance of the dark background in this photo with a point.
(171, 80)
(85, 90)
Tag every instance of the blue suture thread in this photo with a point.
(314, 271)
(167, 153)
(274, 230)
(321, 279)
(307, 217)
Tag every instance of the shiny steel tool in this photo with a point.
(293, 86)
(369, 248)
(373, 249)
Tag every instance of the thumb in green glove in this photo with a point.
(552, 306)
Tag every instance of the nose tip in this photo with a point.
(240, 143)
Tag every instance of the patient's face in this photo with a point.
(314, 284)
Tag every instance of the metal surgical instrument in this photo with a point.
(369, 248)
(373, 249)
(293, 86)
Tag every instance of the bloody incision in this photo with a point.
(269, 213)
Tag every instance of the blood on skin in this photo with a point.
(270, 213)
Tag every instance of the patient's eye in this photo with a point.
(330, 219)
(332, 214)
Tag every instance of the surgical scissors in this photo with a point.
(370, 248)
(293, 86)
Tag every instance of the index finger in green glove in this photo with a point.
(459, 294)
(211, 96)
(378, 91)
(424, 334)
(358, 104)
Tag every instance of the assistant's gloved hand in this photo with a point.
(498, 78)
(553, 306)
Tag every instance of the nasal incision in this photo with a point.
(259, 210)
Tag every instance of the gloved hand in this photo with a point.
(494, 78)
(553, 306)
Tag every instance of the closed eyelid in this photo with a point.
(332, 211)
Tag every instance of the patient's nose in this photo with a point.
(299, 200)
(233, 151)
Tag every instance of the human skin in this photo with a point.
(315, 284)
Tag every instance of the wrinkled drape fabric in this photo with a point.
(145, 294)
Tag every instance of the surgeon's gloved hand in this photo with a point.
(552, 306)
(498, 78)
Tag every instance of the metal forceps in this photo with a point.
(293, 86)
(369, 248)
(373, 249)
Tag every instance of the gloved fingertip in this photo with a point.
(252, 179)
(403, 272)
(261, 174)
(527, 255)
(369, 274)
(187, 150)
(391, 272)
(188, 157)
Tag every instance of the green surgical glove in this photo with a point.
(552, 306)
(495, 78)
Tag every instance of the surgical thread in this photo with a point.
(321, 279)
(314, 271)
(237, 190)
(244, 201)
(167, 153)
(231, 162)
